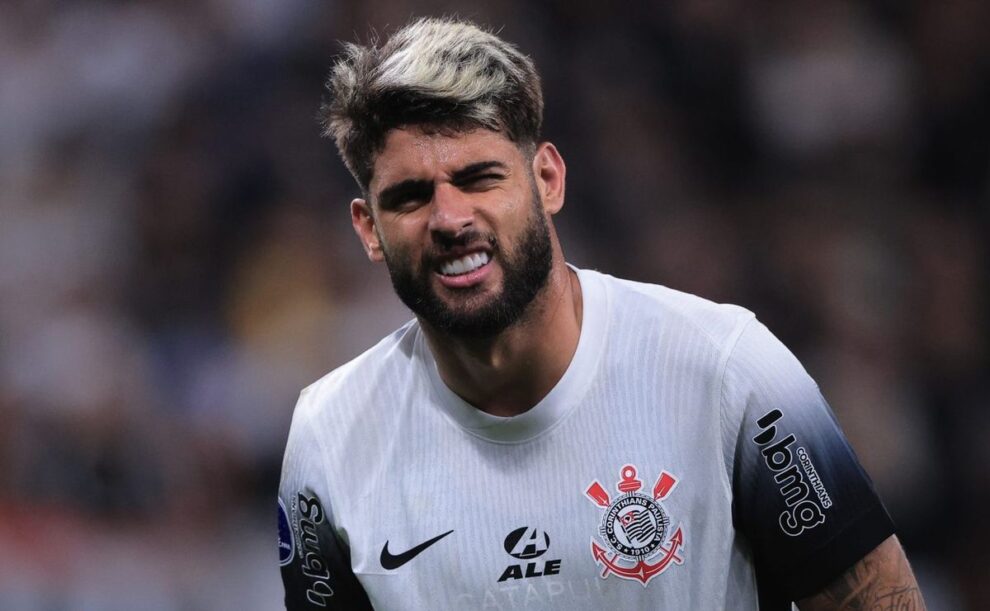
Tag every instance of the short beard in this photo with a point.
(525, 274)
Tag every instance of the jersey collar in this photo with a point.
(562, 398)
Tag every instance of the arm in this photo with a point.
(882, 580)
(317, 572)
(800, 496)
(315, 563)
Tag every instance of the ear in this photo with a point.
(363, 222)
(550, 173)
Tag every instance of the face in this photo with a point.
(461, 223)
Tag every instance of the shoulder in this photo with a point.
(351, 412)
(349, 389)
(647, 308)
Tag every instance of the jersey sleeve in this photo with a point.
(800, 496)
(315, 561)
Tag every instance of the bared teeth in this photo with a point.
(465, 264)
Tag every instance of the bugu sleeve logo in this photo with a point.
(314, 564)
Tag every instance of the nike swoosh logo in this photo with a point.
(390, 561)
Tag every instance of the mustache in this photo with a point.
(443, 244)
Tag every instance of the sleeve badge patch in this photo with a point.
(286, 544)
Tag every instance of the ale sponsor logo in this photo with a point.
(529, 545)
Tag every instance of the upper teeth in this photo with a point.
(467, 263)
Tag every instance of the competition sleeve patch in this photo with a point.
(316, 566)
(286, 542)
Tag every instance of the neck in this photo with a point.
(510, 373)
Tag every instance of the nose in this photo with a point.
(451, 212)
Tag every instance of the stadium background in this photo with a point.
(176, 260)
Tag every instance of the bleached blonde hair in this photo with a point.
(438, 74)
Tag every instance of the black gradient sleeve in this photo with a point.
(316, 565)
(800, 496)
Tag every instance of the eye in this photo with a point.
(406, 197)
(407, 202)
(481, 181)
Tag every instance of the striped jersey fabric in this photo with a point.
(685, 460)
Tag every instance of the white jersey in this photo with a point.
(685, 460)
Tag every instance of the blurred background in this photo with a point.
(176, 259)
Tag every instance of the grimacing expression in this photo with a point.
(472, 313)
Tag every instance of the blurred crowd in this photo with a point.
(176, 260)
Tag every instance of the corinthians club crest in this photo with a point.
(635, 529)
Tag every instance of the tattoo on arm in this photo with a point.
(881, 581)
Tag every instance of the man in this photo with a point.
(542, 436)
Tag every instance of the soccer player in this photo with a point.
(542, 436)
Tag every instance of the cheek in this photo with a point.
(401, 239)
(519, 213)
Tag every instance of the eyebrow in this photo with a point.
(418, 187)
